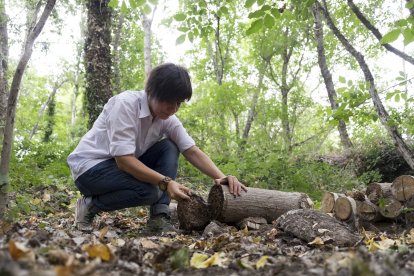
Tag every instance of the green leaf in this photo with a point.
(180, 39)
(408, 36)
(180, 17)
(397, 98)
(260, 2)
(390, 37)
(404, 96)
(255, 27)
(265, 8)
(133, 4)
(147, 9)
(113, 4)
(401, 23)
(269, 21)
(223, 10)
(154, 2)
(191, 36)
(124, 8)
(183, 29)
(275, 12)
(409, 5)
(256, 14)
(249, 3)
(342, 79)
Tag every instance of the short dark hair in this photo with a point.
(170, 83)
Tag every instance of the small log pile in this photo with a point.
(379, 202)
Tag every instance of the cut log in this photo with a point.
(328, 201)
(402, 187)
(390, 207)
(268, 204)
(345, 208)
(375, 191)
(309, 224)
(193, 214)
(368, 211)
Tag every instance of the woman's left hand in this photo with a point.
(235, 186)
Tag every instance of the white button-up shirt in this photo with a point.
(125, 126)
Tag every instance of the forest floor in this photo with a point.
(48, 244)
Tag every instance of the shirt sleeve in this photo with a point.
(122, 128)
(178, 134)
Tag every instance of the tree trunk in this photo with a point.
(98, 58)
(51, 110)
(309, 224)
(12, 102)
(51, 97)
(146, 24)
(117, 62)
(269, 204)
(402, 188)
(402, 147)
(377, 33)
(4, 59)
(368, 211)
(326, 74)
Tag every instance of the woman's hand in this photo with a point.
(178, 191)
(235, 186)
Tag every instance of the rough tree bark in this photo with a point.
(377, 33)
(4, 57)
(117, 61)
(326, 74)
(268, 204)
(402, 147)
(98, 57)
(12, 102)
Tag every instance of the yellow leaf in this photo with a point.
(197, 260)
(36, 201)
(99, 250)
(103, 232)
(317, 241)
(64, 270)
(372, 246)
(216, 259)
(245, 231)
(261, 262)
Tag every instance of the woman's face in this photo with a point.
(161, 109)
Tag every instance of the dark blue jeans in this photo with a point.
(113, 189)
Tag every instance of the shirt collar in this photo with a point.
(144, 107)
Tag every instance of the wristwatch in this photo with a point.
(163, 184)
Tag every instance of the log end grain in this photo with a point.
(345, 208)
(402, 187)
(390, 207)
(328, 202)
(216, 201)
(193, 214)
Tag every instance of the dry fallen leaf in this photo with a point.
(317, 241)
(103, 232)
(261, 262)
(148, 244)
(19, 252)
(197, 260)
(98, 250)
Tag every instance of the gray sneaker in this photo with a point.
(84, 214)
(158, 225)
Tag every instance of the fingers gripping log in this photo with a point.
(269, 204)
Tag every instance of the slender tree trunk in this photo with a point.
(146, 24)
(252, 111)
(42, 109)
(51, 111)
(402, 147)
(4, 57)
(12, 102)
(117, 62)
(326, 74)
(377, 33)
(98, 58)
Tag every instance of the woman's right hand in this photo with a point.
(178, 191)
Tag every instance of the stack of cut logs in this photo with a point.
(378, 202)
